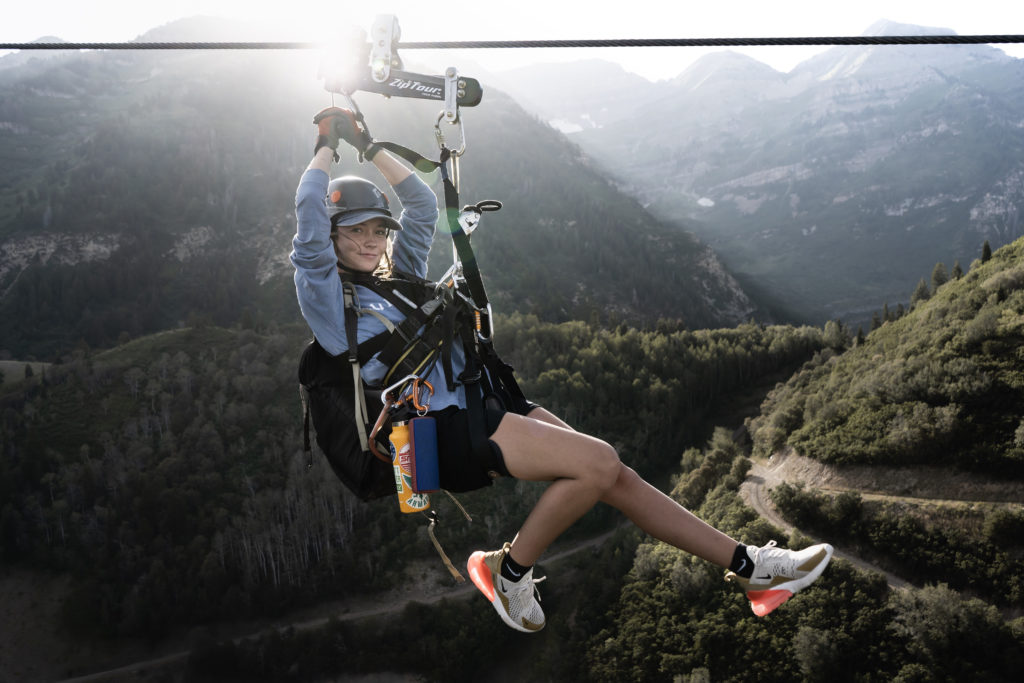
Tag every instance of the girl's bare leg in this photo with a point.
(584, 470)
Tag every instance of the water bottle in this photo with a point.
(401, 460)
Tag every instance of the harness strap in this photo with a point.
(389, 289)
(407, 330)
(307, 446)
(470, 268)
(384, 321)
(359, 399)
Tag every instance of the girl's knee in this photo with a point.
(606, 466)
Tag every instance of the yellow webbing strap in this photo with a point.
(434, 519)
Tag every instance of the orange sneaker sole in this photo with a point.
(764, 602)
(480, 574)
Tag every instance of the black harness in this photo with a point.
(436, 316)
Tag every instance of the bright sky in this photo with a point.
(423, 20)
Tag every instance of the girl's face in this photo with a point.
(361, 246)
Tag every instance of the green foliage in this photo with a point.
(659, 614)
(676, 620)
(941, 385)
(915, 548)
(584, 373)
(955, 638)
(167, 472)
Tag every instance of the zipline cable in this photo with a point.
(512, 44)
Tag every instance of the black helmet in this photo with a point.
(351, 199)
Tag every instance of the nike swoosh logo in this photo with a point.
(763, 578)
(514, 573)
(743, 563)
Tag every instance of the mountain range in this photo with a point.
(830, 189)
(140, 190)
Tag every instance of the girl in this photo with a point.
(345, 226)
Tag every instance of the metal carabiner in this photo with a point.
(392, 392)
(478, 314)
(442, 139)
(392, 396)
(417, 385)
(449, 279)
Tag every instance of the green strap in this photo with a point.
(470, 268)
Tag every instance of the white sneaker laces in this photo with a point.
(525, 585)
(774, 561)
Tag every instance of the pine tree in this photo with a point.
(876, 321)
(921, 293)
(986, 252)
(939, 276)
(958, 272)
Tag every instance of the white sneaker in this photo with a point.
(779, 573)
(516, 602)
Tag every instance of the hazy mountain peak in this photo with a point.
(886, 63)
(23, 56)
(206, 29)
(884, 27)
(726, 65)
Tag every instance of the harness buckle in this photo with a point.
(469, 218)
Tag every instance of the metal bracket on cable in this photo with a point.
(376, 66)
(384, 38)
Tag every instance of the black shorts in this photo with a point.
(460, 468)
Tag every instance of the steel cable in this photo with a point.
(514, 44)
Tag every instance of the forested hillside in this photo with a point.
(675, 621)
(942, 385)
(167, 474)
(637, 610)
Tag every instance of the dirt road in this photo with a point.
(755, 493)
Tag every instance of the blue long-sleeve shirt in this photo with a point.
(318, 286)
